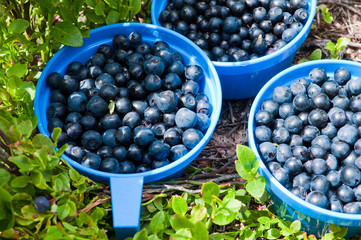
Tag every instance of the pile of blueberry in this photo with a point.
(236, 30)
(131, 108)
(309, 136)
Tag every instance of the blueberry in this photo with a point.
(318, 118)
(268, 151)
(230, 25)
(123, 106)
(126, 167)
(103, 79)
(318, 199)
(340, 149)
(105, 152)
(300, 15)
(318, 166)
(321, 101)
(89, 122)
(166, 101)
(334, 178)
(352, 208)
(97, 106)
(98, 59)
(300, 152)
(275, 14)
(135, 153)
(299, 192)
(193, 72)
(342, 75)
(350, 159)
(345, 193)
(297, 88)
(53, 80)
(158, 150)
(282, 176)
(271, 106)
(263, 134)
(57, 96)
(73, 130)
(188, 14)
(41, 204)
(273, 166)
(320, 183)
(176, 67)
(309, 132)
(263, 117)
(109, 138)
(280, 135)
(177, 151)
(329, 130)
(348, 133)
(109, 165)
(293, 166)
(160, 163)
(355, 103)
(131, 119)
(357, 191)
(143, 136)
(313, 90)
(337, 117)
(341, 101)
(350, 176)
(317, 151)
(91, 160)
(53, 123)
(108, 92)
(282, 94)
(302, 180)
(289, 34)
(284, 152)
(56, 110)
(285, 110)
(296, 140)
(330, 87)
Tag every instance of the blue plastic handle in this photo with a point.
(126, 196)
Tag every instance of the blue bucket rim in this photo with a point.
(260, 59)
(294, 200)
(179, 163)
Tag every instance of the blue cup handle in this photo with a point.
(126, 195)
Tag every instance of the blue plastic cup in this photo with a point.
(126, 189)
(314, 220)
(244, 79)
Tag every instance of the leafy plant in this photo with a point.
(327, 17)
(335, 49)
(315, 55)
(230, 206)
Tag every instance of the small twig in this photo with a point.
(4, 137)
(344, 5)
(35, 69)
(231, 111)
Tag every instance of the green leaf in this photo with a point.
(316, 55)
(296, 226)
(200, 214)
(20, 182)
(98, 214)
(23, 162)
(40, 140)
(224, 216)
(45, 6)
(157, 224)
(91, 3)
(4, 177)
(179, 205)
(199, 232)
(99, 9)
(26, 128)
(330, 46)
(180, 222)
(19, 200)
(342, 43)
(112, 18)
(182, 234)
(17, 69)
(112, 3)
(246, 165)
(209, 190)
(233, 204)
(38, 180)
(273, 233)
(142, 235)
(216, 236)
(257, 188)
(69, 227)
(111, 107)
(55, 135)
(67, 34)
(136, 4)
(18, 25)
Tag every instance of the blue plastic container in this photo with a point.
(244, 79)
(126, 189)
(315, 220)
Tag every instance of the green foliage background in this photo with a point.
(31, 32)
